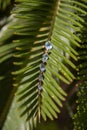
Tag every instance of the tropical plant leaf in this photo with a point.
(56, 65)
(6, 79)
(23, 43)
(13, 120)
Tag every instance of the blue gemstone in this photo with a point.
(48, 45)
(39, 87)
(40, 77)
(42, 67)
(45, 57)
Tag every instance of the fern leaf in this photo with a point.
(35, 23)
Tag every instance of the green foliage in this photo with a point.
(80, 118)
(22, 41)
(82, 51)
(4, 4)
(13, 121)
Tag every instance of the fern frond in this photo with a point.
(37, 22)
(6, 79)
(50, 24)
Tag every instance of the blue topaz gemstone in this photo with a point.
(39, 87)
(42, 67)
(44, 57)
(40, 77)
(48, 45)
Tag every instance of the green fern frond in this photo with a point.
(36, 22)
(6, 67)
(50, 24)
